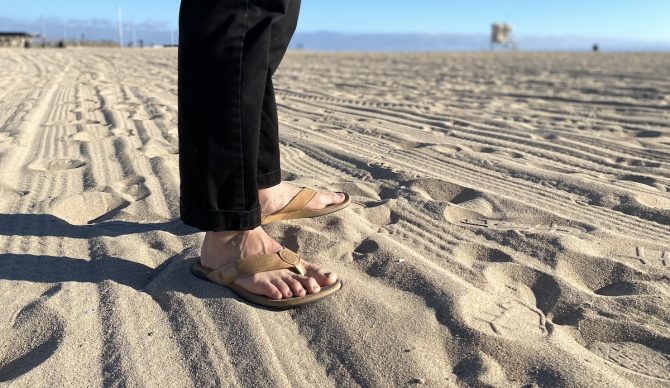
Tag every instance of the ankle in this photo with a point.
(219, 248)
(224, 237)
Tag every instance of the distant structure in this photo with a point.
(15, 39)
(595, 48)
(501, 35)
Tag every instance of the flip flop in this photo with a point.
(284, 259)
(296, 208)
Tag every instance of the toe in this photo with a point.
(296, 286)
(336, 198)
(270, 290)
(325, 277)
(309, 284)
(283, 288)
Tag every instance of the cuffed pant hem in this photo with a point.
(268, 180)
(220, 220)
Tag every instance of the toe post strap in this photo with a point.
(284, 259)
(293, 259)
(300, 200)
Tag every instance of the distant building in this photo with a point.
(15, 39)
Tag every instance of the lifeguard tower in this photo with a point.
(501, 35)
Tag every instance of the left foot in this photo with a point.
(275, 198)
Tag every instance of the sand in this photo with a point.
(510, 225)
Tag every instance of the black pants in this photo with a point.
(228, 128)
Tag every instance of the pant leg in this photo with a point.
(224, 56)
(269, 170)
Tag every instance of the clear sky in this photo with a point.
(632, 19)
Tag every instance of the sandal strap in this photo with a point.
(300, 200)
(284, 259)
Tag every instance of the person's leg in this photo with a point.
(223, 64)
(269, 168)
(269, 171)
(274, 194)
(223, 61)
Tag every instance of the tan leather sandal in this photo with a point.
(296, 208)
(284, 259)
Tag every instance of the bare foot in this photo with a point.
(221, 248)
(277, 197)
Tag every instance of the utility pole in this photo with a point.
(134, 36)
(120, 20)
(44, 29)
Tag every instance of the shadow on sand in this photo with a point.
(166, 284)
(41, 225)
(173, 275)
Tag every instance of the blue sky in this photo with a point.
(644, 20)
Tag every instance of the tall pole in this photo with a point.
(44, 30)
(134, 36)
(120, 20)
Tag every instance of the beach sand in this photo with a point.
(510, 225)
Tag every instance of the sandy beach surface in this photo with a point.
(510, 225)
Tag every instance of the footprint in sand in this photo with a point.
(449, 148)
(653, 201)
(498, 315)
(35, 335)
(630, 346)
(132, 189)
(633, 287)
(57, 165)
(468, 253)
(498, 151)
(645, 256)
(463, 203)
(642, 181)
(408, 144)
(91, 134)
(629, 162)
(85, 208)
(434, 189)
(153, 149)
(516, 303)
(635, 357)
(11, 193)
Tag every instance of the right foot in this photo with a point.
(275, 198)
(222, 248)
